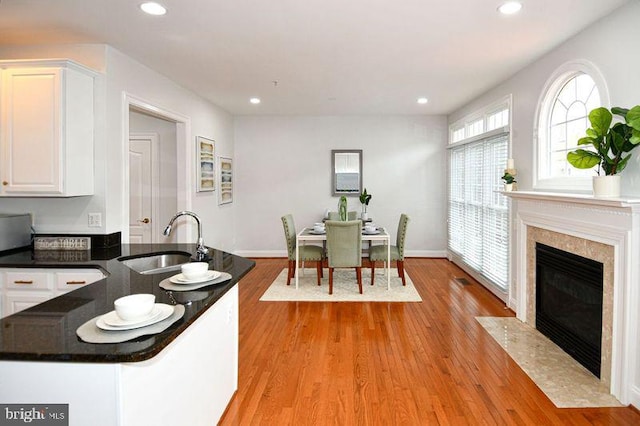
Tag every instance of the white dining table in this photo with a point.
(307, 234)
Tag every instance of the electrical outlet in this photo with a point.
(95, 220)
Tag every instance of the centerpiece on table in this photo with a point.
(609, 149)
(342, 208)
(364, 199)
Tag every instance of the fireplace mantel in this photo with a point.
(584, 199)
(613, 222)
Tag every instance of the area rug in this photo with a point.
(345, 287)
(565, 382)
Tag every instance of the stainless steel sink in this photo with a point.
(155, 263)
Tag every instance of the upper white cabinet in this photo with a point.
(46, 128)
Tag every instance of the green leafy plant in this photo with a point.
(364, 199)
(342, 208)
(508, 178)
(610, 142)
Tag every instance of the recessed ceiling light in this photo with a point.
(423, 101)
(254, 101)
(153, 8)
(510, 7)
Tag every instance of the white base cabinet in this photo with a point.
(21, 288)
(190, 382)
(46, 128)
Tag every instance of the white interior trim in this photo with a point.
(185, 157)
(551, 88)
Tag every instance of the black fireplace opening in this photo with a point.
(569, 303)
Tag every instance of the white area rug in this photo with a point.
(565, 382)
(345, 287)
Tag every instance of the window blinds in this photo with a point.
(478, 213)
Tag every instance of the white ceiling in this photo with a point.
(327, 56)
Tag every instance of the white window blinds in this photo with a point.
(478, 213)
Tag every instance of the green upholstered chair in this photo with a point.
(336, 215)
(344, 248)
(379, 252)
(306, 253)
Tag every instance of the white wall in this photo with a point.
(122, 74)
(282, 165)
(125, 75)
(610, 45)
(65, 214)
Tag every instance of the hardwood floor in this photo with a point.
(387, 363)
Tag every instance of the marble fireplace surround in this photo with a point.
(605, 230)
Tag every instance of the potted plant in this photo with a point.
(342, 208)
(509, 181)
(610, 144)
(364, 199)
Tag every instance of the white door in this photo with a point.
(143, 186)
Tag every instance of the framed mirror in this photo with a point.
(346, 172)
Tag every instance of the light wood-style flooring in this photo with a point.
(428, 363)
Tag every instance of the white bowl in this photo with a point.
(135, 306)
(194, 270)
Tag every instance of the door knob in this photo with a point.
(145, 220)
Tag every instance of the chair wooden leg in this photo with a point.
(319, 270)
(330, 280)
(359, 277)
(373, 270)
(290, 270)
(400, 264)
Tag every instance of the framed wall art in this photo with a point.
(225, 170)
(205, 164)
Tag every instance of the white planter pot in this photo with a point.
(606, 186)
(364, 215)
(508, 187)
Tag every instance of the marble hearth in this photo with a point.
(605, 230)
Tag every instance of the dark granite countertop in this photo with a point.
(47, 332)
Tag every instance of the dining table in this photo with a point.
(309, 235)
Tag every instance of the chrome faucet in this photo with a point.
(201, 251)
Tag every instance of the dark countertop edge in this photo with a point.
(136, 356)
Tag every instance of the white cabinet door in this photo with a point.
(31, 130)
(24, 287)
(19, 301)
(46, 137)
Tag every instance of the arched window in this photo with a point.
(574, 90)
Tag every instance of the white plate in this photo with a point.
(180, 279)
(313, 231)
(112, 319)
(371, 232)
(160, 312)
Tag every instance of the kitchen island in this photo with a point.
(184, 375)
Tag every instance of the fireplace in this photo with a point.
(569, 300)
(606, 231)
